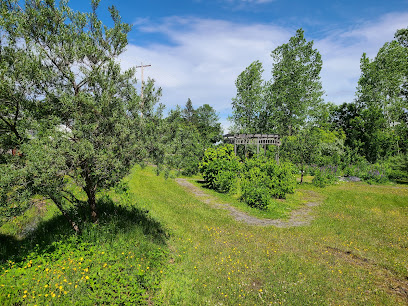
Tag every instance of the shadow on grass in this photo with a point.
(114, 220)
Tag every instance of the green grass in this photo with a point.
(277, 209)
(354, 252)
(121, 260)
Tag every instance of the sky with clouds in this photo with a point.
(197, 48)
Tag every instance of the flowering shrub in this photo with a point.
(375, 174)
(370, 173)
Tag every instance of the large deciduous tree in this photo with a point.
(289, 100)
(381, 98)
(295, 88)
(248, 105)
(65, 86)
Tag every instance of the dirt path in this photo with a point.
(299, 217)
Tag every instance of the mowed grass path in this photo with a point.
(354, 252)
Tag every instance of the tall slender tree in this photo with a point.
(248, 104)
(295, 88)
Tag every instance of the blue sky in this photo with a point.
(198, 48)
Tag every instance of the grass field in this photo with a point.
(165, 246)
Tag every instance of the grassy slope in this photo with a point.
(355, 252)
(119, 261)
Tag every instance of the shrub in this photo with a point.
(325, 176)
(263, 179)
(255, 191)
(398, 167)
(220, 167)
(375, 174)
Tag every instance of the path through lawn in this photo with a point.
(354, 252)
(298, 217)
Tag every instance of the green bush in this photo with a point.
(372, 174)
(375, 174)
(264, 179)
(255, 191)
(220, 167)
(325, 176)
(398, 167)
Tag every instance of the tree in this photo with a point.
(88, 138)
(347, 118)
(189, 112)
(300, 149)
(380, 96)
(248, 104)
(208, 125)
(295, 88)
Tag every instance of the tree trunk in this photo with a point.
(64, 213)
(90, 191)
(301, 175)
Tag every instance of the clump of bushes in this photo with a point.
(263, 179)
(375, 174)
(220, 167)
(398, 168)
(372, 174)
(260, 178)
(325, 176)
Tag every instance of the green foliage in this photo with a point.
(375, 174)
(69, 109)
(325, 176)
(292, 97)
(249, 104)
(378, 173)
(264, 179)
(118, 262)
(179, 140)
(255, 189)
(220, 167)
(185, 150)
(382, 102)
(398, 167)
(296, 88)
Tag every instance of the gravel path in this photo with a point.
(299, 217)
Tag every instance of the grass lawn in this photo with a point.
(354, 252)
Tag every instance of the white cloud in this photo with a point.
(341, 52)
(205, 59)
(206, 56)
